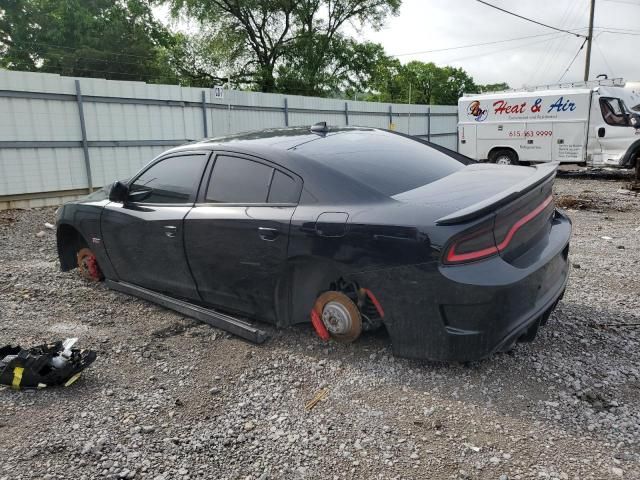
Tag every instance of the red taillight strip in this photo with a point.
(454, 257)
(526, 219)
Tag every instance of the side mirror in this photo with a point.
(119, 192)
(601, 132)
(634, 121)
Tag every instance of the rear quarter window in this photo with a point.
(386, 162)
(284, 189)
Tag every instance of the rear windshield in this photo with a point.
(386, 162)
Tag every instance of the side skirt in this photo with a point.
(212, 317)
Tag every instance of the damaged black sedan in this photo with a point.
(350, 229)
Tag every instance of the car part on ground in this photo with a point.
(44, 365)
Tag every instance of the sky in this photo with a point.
(426, 25)
(541, 58)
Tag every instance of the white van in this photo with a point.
(593, 125)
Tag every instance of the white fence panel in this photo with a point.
(126, 124)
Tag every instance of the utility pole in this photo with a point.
(587, 62)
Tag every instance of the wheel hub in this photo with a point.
(503, 161)
(88, 265)
(336, 318)
(335, 315)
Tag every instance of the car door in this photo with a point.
(237, 234)
(144, 235)
(614, 132)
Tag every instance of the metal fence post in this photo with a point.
(390, 116)
(286, 112)
(346, 113)
(457, 133)
(428, 124)
(205, 126)
(85, 144)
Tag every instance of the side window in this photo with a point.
(612, 112)
(237, 180)
(284, 189)
(172, 180)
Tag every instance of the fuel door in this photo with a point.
(331, 224)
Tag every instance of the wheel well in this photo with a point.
(69, 242)
(306, 278)
(635, 158)
(495, 150)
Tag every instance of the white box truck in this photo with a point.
(597, 124)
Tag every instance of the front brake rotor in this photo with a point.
(339, 315)
(88, 265)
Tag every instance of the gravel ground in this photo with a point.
(169, 398)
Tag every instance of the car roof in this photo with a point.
(288, 138)
(282, 146)
(311, 154)
(289, 145)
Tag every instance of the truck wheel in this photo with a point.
(504, 157)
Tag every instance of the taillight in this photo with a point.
(473, 246)
(490, 239)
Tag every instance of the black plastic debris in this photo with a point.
(43, 366)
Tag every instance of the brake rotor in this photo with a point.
(88, 265)
(339, 315)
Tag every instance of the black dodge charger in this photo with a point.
(350, 229)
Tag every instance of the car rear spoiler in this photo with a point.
(543, 172)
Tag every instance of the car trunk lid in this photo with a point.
(513, 204)
(477, 189)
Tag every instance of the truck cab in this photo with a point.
(614, 127)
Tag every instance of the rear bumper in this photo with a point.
(479, 308)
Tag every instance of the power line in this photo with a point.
(471, 45)
(573, 59)
(604, 58)
(636, 4)
(617, 29)
(621, 33)
(75, 49)
(530, 20)
(479, 55)
(548, 58)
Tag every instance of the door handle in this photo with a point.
(170, 231)
(268, 234)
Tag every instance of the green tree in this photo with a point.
(292, 45)
(92, 38)
(493, 87)
(420, 82)
(349, 67)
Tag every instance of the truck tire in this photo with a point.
(504, 157)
